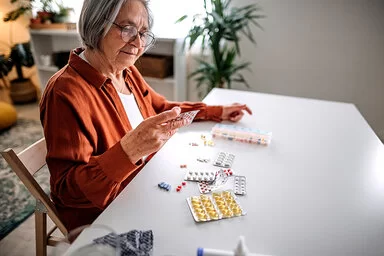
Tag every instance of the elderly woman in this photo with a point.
(101, 119)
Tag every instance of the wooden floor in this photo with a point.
(21, 241)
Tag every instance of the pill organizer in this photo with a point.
(217, 206)
(240, 185)
(224, 159)
(242, 134)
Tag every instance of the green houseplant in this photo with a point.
(22, 88)
(47, 11)
(62, 15)
(25, 7)
(218, 29)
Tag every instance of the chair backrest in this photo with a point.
(27, 163)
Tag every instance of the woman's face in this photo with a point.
(121, 54)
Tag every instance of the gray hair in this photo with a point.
(96, 16)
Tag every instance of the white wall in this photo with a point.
(323, 49)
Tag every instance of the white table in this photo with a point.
(317, 189)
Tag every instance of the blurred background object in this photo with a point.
(22, 89)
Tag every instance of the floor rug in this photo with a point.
(16, 203)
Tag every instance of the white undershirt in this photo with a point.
(134, 115)
(131, 108)
(83, 56)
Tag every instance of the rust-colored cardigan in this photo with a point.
(84, 120)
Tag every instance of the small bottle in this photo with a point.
(212, 252)
(241, 250)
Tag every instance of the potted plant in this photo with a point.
(219, 29)
(62, 15)
(44, 14)
(22, 89)
(23, 7)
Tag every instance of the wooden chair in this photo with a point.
(25, 165)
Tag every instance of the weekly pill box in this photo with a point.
(219, 205)
(242, 134)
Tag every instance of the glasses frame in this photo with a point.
(135, 36)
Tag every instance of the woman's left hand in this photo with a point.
(235, 112)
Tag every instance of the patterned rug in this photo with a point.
(16, 203)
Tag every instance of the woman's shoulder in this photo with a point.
(67, 83)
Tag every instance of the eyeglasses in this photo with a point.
(129, 34)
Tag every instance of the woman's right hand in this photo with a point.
(151, 134)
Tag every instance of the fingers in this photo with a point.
(173, 125)
(234, 114)
(167, 135)
(169, 127)
(238, 108)
(246, 108)
(237, 117)
(166, 116)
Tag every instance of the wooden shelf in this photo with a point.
(54, 32)
(53, 26)
(167, 80)
(52, 69)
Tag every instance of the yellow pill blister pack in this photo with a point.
(217, 206)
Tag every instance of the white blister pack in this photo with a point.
(240, 185)
(224, 159)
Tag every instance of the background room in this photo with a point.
(330, 50)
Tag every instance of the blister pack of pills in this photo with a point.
(189, 116)
(202, 159)
(242, 134)
(240, 185)
(224, 159)
(217, 206)
(208, 176)
(220, 179)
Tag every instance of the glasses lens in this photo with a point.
(128, 33)
(147, 38)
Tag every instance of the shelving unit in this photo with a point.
(47, 42)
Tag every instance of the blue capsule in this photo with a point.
(164, 185)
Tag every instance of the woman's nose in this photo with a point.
(137, 41)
